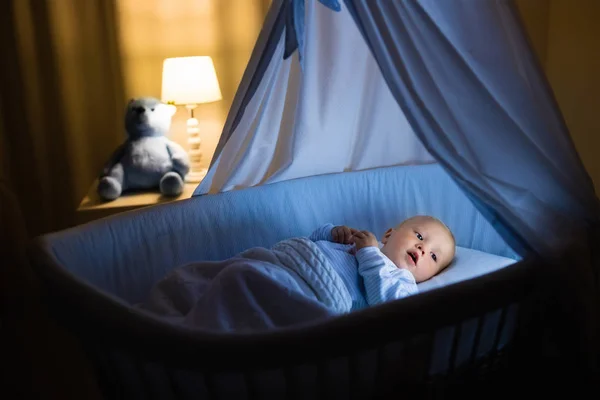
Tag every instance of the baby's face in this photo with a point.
(421, 245)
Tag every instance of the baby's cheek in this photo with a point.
(401, 263)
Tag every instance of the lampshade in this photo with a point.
(190, 80)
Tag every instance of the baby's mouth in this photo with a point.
(414, 256)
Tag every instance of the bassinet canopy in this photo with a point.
(338, 86)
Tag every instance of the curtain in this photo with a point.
(46, 362)
(61, 102)
(60, 105)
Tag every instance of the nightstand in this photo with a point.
(92, 207)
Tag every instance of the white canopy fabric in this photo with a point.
(334, 113)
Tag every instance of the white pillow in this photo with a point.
(467, 264)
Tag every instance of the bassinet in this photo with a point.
(95, 272)
(360, 86)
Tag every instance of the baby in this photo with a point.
(412, 252)
(336, 270)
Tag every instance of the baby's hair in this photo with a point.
(447, 229)
(430, 218)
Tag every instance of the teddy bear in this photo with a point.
(147, 159)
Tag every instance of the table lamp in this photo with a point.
(190, 81)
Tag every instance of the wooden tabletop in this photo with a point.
(131, 199)
(93, 207)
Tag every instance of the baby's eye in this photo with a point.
(152, 109)
(434, 257)
(419, 236)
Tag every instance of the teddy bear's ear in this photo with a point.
(171, 109)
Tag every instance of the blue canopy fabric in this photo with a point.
(468, 82)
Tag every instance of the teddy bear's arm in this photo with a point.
(179, 158)
(111, 183)
(114, 159)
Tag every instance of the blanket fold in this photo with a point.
(259, 289)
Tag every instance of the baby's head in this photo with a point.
(421, 244)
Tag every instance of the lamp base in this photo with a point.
(196, 176)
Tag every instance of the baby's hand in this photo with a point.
(364, 239)
(343, 234)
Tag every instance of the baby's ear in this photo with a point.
(387, 235)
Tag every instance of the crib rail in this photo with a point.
(413, 366)
(475, 331)
(103, 319)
